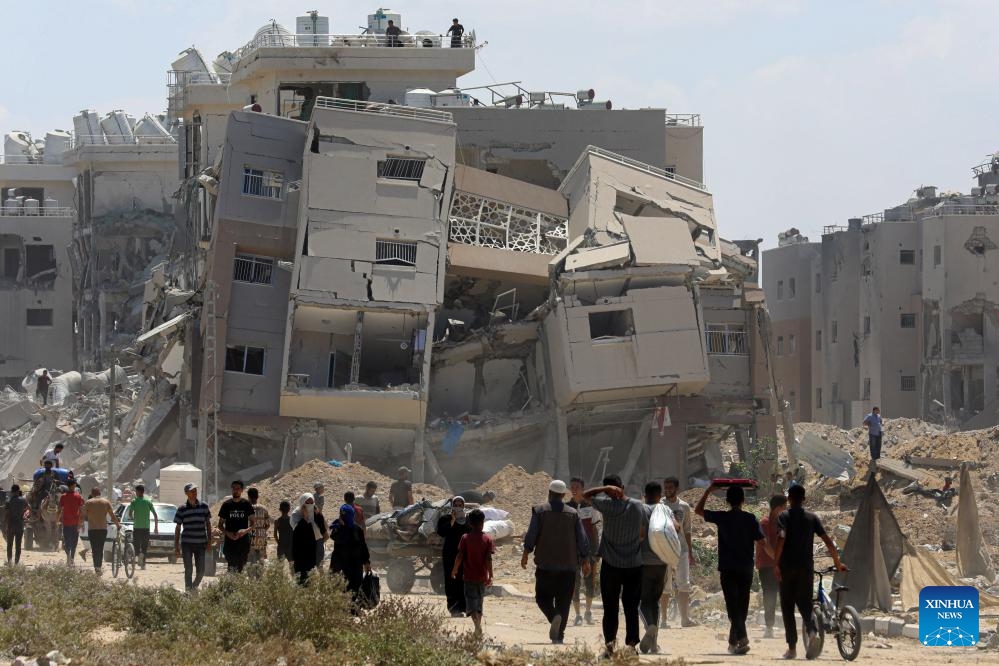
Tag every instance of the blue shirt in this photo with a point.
(873, 422)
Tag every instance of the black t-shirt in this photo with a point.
(236, 513)
(799, 529)
(399, 493)
(738, 532)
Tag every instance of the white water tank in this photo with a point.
(87, 127)
(18, 144)
(151, 130)
(224, 63)
(11, 206)
(31, 206)
(116, 128)
(173, 479)
(378, 21)
(428, 39)
(273, 34)
(50, 204)
(57, 142)
(452, 97)
(422, 98)
(312, 30)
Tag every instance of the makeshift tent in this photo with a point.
(873, 552)
(972, 559)
(920, 569)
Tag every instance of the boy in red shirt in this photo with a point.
(475, 559)
(70, 503)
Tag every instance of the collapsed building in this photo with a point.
(361, 267)
(896, 309)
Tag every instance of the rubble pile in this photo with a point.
(516, 492)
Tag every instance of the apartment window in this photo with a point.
(791, 287)
(835, 392)
(867, 325)
(39, 316)
(835, 330)
(245, 359)
(818, 398)
(780, 345)
(908, 383)
(250, 268)
(39, 259)
(260, 183)
(398, 168)
(818, 283)
(936, 256)
(395, 253)
(792, 345)
(727, 339)
(907, 320)
(867, 388)
(907, 257)
(818, 340)
(780, 290)
(611, 324)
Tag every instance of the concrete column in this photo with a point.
(562, 451)
(355, 359)
(419, 453)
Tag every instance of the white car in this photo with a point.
(160, 537)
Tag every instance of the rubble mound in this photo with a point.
(517, 490)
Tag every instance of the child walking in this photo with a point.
(475, 560)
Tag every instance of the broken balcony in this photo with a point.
(356, 367)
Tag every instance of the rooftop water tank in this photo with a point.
(11, 205)
(57, 142)
(273, 34)
(87, 127)
(378, 21)
(18, 144)
(312, 30)
(428, 39)
(151, 130)
(420, 97)
(116, 128)
(31, 206)
(452, 97)
(224, 62)
(50, 204)
(173, 478)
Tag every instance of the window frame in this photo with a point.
(792, 288)
(818, 397)
(401, 169)
(255, 261)
(246, 348)
(937, 256)
(51, 318)
(902, 319)
(903, 255)
(780, 345)
(818, 340)
(780, 290)
(626, 314)
(266, 183)
(907, 380)
(396, 260)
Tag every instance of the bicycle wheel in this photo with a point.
(818, 618)
(849, 634)
(128, 559)
(115, 559)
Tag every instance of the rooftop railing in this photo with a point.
(648, 168)
(24, 159)
(112, 140)
(425, 40)
(336, 103)
(943, 210)
(41, 211)
(683, 119)
(986, 167)
(729, 343)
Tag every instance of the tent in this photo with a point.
(920, 569)
(972, 558)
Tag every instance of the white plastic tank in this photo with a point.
(18, 144)
(312, 30)
(87, 127)
(116, 128)
(428, 39)
(420, 97)
(224, 63)
(151, 130)
(452, 97)
(57, 142)
(50, 203)
(11, 205)
(31, 206)
(173, 479)
(378, 21)
(131, 121)
(273, 34)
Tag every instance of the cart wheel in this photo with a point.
(401, 575)
(437, 577)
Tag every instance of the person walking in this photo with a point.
(738, 530)
(654, 573)
(96, 511)
(142, 508)
(590, 519)
(307, 530)
(234, 523)
(797, 529)
(42, 387)
(53, 454)
(679, 582)
(765, 563)
(350, 498)
(260, 525)
(873, 423)
(560, 547)
(456, 30)
(475, 563)
(283, 532)
(13, 523)
(350, 557)
(192, 538)
(401, 491)
(70, 517)
(625, 526)
(451, 528)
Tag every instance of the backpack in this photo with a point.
(662, 535)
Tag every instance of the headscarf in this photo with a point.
(347, 515)
(306, 512)
(464, 517)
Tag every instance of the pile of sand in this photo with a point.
(517, 491)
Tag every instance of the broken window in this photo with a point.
(907, 257)
(261, 183)
(867, 325)
(867, 388)
(979, 242)
(39, 316)
(790, 288)
(835, 330)
(908, 383)
(611, 324)
(907, 320)
(818, 340)
(818, 398)
(780, 290)
(936, 255)
(250, 268)
(395, 253)
(401, 168)
(780, 345)
(245, 359)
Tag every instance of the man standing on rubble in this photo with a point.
(680, 576)
(193, 536)
(873, 423)
(234, 522)
(42, 387)
(560, 547)
(70, 506)
(401, 492)
(96, 512)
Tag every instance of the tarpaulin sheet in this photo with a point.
(920, 569)
(873, 552)
(972, 560)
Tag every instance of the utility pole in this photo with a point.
(112, 417)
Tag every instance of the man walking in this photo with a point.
(873, 424)
(193, 536)
(53, 455)
(13, 526)
(42, 387)
(680, 575)
(142, 508)
(560, 547)
(234, 523)
(795, 570)
(590, 518)
(654, 572)
(260, 524)
(401, 492)
(96, 512)
(621, 551)
(70, 506)
(765, 562)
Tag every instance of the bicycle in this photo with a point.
(841, 621)
(123, 554)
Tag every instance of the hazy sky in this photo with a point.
(814, 111)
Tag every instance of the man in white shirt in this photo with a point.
(681, 574)
(53, 455)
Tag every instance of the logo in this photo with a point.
(948, 616)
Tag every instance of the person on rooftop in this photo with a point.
(456, 31)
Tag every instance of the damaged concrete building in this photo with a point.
(896, 309)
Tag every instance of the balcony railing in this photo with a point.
(337, 103)
(683, 119)
(118, 140)
(731, 343)
(51, 211)
(959, 209)
(648, 168)
(476, 220)
(425, 40)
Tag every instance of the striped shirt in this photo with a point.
(621, 541)
(196, 520)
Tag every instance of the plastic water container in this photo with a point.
(174, 478)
